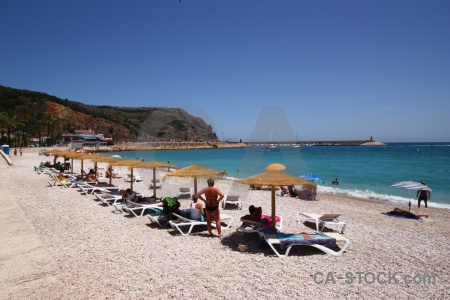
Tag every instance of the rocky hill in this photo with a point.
(38, 113)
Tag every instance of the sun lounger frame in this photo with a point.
(184, 222)
(271, 240)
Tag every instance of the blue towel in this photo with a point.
(410, 216)
(288, 239)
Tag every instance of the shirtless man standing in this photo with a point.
(423, 195)
(213, 197)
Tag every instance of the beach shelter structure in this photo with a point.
(64, 154)
(196, 171)
(273, 179)
(82, 157)
(70, 155)
(153, 165)
(106, 159)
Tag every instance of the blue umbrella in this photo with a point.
(116, 156)
(313, 178)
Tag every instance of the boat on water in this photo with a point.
(296, 145)
(273, 146)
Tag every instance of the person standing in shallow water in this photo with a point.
(423, 195)
(212, 198)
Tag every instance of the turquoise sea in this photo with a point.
(365, 172)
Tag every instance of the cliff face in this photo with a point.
(75, 120)
(40, 113)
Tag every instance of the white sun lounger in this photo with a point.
(184, 192)
(185, 222)
(322, 220)
(109, 198)
(158, 216)
(136, 178)
(273, 241)
(72, 183)
(254, 226)
(136, 209)
(157, 183)
(55, 182)
(232, 199)
(92, 188)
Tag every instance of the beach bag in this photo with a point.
(170, 204)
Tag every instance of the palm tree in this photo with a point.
(10, 123)
(3, 122)
(25, 118)
(51, 123)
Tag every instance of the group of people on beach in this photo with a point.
(20, 151)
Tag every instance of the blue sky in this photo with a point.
(253, 69)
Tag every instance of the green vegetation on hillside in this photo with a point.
(27, 114)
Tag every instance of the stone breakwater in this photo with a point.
(170, 146)
(212, 145)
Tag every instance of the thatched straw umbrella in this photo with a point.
(273, 179)
(82, 157)
(195, 171)
(58, 153)
(70, 155)
(275, 167)
(107, 159)
(153, 165)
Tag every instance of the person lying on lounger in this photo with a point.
(255, 214)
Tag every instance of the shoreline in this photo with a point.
(404, 201)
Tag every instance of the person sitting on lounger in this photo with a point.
(255, 214)
(90, 177)
(196, 210)
(292, 191)
(129, 195)
(108, 174)
(61, 177)
(284, 190)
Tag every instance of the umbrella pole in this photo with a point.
(132, 179)
(273, 208)
(154, 184)
(110, 174)
(82, 171)
(195, 185)
(71, 165)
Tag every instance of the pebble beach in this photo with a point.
(74, 247)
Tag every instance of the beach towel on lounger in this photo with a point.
(268, 224)
(288, 239)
